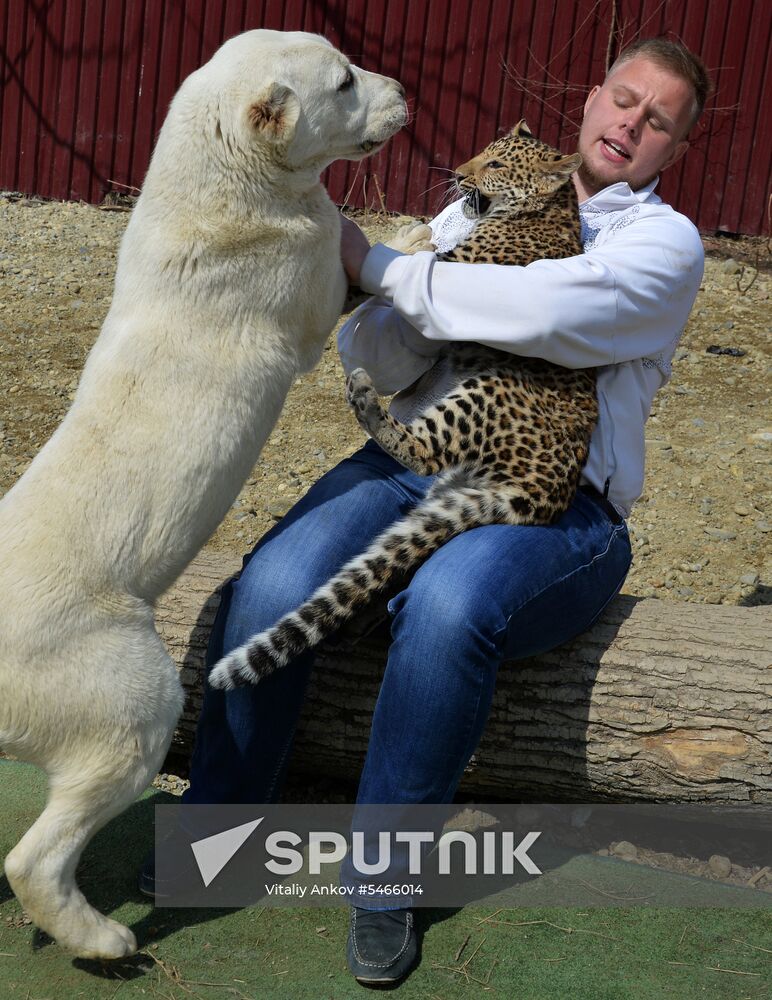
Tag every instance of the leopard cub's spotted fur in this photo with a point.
(508, 441)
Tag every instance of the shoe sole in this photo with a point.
(378, 982)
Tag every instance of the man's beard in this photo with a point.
(593, 181)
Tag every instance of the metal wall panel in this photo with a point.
(86, 83)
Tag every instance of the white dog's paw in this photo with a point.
(411, 238)
(86, 933)
(108, 940)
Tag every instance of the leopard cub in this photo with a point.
(508, 439)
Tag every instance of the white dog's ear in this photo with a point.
(275, 112)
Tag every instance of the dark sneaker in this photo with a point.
(185, 873)
(146, 877)
(382, 945)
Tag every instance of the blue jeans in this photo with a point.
(494, 593)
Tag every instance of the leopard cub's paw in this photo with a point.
(411, 238)
(358, 385)
(363, 400)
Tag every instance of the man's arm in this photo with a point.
(627, 299)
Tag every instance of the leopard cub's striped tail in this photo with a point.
(399, 548)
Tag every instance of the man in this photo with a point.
(499, 592)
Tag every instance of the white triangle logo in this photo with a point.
(213, 853)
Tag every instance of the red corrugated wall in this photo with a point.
(85, 84)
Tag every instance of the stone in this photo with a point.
(720, 534)
(278, 509)
(625, 850)
(719, 865)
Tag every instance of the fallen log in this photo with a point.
(658, 701)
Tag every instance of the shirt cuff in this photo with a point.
(373, 277)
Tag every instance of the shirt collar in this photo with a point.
(619, 196)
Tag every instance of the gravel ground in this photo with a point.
(701, 531)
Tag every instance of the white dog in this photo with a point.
(228, 284)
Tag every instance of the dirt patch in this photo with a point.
(701, 530)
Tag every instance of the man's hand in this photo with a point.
(354, 247)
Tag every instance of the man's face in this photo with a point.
(634, 126)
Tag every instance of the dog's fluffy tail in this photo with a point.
(448, 509)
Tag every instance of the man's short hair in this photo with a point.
(675, 57)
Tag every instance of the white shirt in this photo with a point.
(620, 307)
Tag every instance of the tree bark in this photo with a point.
(657, 701)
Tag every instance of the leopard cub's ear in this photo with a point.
(571, 163)
(562, 166)
(522, 129)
